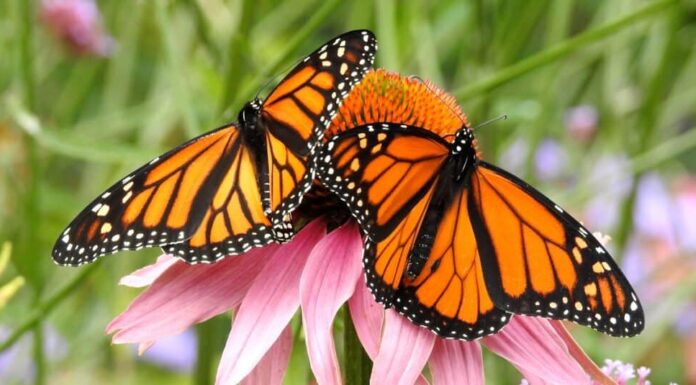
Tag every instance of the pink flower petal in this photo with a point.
(271, 368)
(534, 347)
(533, 378)
(148, 274)
(456, 362)
(367, 316)
(269, 305)
(328, 280)
(184, 295)
(403, 353)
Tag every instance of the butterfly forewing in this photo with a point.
(388, 175)
(160, 203)
(538, 260)
(300, 108)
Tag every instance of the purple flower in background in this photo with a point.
(685, 211)
(514, 155)
(632, 263)
(177, 352)
(78, 24)
(653, 213)
(660, 253)
(602, 211)
(550, 160)
(16, 363)
(664, 232)
(685, 324)
(581, 122)
(651, 250)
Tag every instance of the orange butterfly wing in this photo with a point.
(386, 180)
(234, 220)
(160, 203)
(538, 260)
(300, 108)
(449, 294)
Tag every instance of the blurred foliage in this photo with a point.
(9, 289)
(72, 122)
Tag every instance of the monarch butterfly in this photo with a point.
(233, 188)
(457, 244)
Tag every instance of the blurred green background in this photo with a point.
(601, 108)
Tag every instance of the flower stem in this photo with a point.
(204, 363)
(561, 49)
(39, 357)
(581, 357)
(357, 365)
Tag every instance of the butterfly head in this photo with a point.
(249, 114)
(462, 152)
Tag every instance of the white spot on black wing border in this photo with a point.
(258, 236)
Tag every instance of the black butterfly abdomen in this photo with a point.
(452, 180)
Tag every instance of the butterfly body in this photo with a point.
(456, 244)
(454, 176)
(248, 118)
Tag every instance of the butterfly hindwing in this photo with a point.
(233, 219)
(448, 293)
(538, 260)
(300, 108)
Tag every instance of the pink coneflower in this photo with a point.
(317, 273)
(77, 23)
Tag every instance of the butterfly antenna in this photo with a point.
(438, 94)
(277, 76)
(272, 79)
(490, 121)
